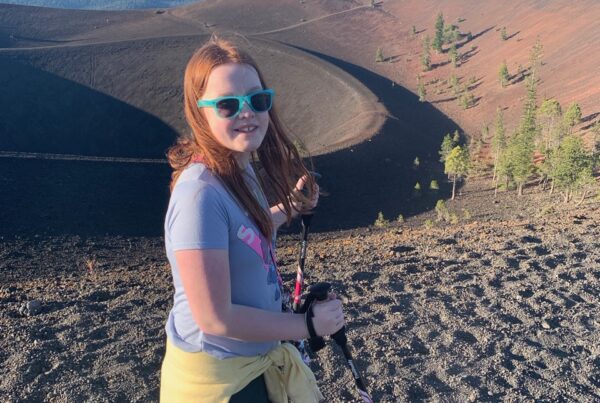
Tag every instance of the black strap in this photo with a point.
(309, 322)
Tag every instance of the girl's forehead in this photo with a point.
(231, 79)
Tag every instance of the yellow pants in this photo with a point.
(200, 377)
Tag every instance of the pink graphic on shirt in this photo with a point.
(251, 238)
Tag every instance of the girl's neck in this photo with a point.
(242, 159)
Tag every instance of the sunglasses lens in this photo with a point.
(261, 102)
(228, 107)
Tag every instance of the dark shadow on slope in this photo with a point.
(86, 198)
(42, 112)
(379, 174)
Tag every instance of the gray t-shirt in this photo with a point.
(202, 214)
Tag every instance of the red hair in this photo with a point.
(277, 155)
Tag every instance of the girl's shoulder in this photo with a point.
(196, 173)
(196, 181)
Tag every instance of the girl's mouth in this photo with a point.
(247, 129)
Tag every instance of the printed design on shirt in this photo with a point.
(252, 239)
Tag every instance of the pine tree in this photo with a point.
(453, 82)
(453, 55)
(447, 145)
(426, 55)
(572, 167)
(596, 134)
(379, 55)
(503, 34)
(457, 165)
(503, 75)
(520, 151)
(549, 115)
(451, 34)
(498, 141)
(485, 133)
(438, 40)
(528, 126)
(421, 91)
(572, 116)
(466, 99)
(456, 137)
(504, 168)
(535, 57)
(548, 137)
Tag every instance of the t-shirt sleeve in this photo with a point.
(197, 219)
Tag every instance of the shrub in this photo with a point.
(434, 185)
(428, 223)
(466, 100)
(381, 221)
(453, 218)
(379, 55)
(442, 211)
(400, 218)
(546, 210)
(503, 75)
(466, 214)
(421, 91)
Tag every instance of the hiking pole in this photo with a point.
(320, 292)
(306, 219)
(315, 343)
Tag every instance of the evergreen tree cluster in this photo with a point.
(543, 145)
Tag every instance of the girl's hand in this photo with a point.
(315, 197)
(328, 316)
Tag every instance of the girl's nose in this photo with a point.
(246, 110)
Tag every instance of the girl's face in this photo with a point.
(244, 133)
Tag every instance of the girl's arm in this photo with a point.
(278, 216)
(205, 277)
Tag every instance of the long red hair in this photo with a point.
(277, 155)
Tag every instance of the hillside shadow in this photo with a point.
(379, 174)
(45, 113)
(85, 198)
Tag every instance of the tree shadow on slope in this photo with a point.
(380, 174)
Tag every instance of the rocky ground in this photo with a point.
(502, 307)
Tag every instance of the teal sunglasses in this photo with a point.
(229, 107)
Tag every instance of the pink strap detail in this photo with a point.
(197, 158)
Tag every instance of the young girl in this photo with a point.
(225, 327)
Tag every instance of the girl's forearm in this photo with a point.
(278, 216)
(253, 324)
